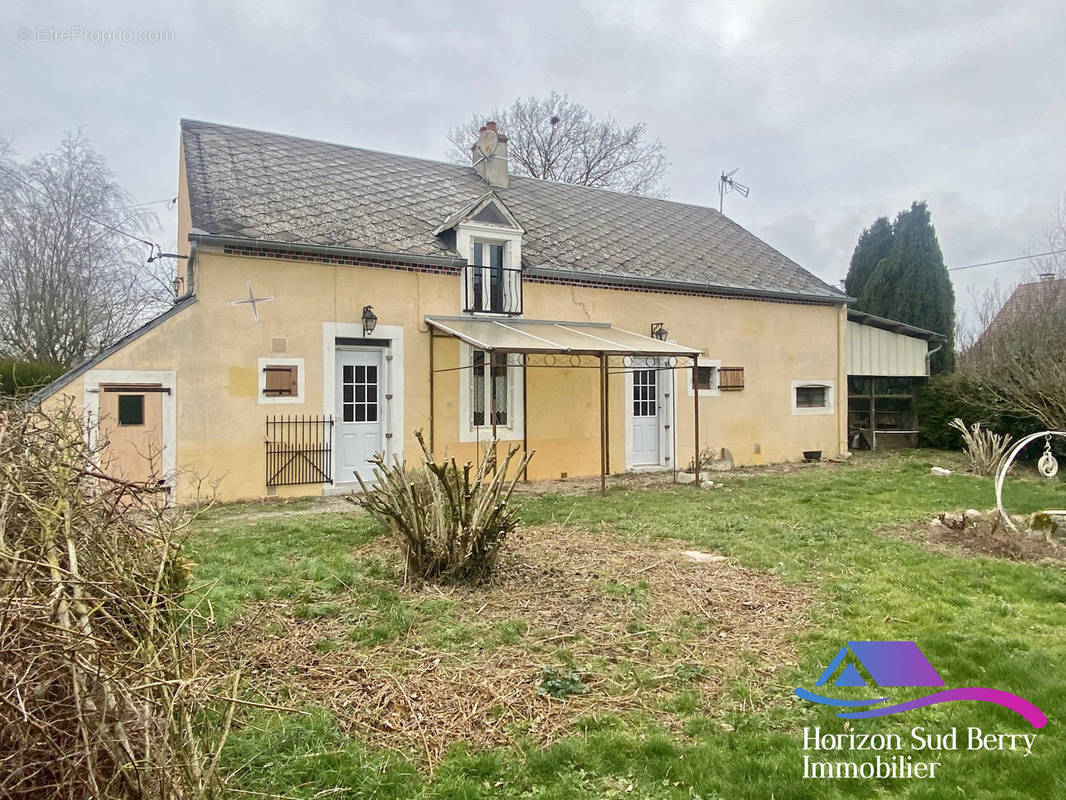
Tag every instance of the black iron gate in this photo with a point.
(299, 449)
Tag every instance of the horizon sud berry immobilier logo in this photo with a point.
(891, 665)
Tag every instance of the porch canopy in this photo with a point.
(553, 337)
(549, 336)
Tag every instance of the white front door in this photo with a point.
(359, 412)
(645, 417)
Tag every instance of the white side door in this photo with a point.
(645, 417)
(359, 412)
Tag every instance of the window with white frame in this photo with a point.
(706, 377)
(812, 397)
(489, 389)
(490, 378)
(487, 280)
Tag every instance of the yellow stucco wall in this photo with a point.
(214, 347)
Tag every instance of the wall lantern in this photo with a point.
(658, 331)
(370, 320)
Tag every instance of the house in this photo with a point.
(334, 300)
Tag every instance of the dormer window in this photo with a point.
(489, 237)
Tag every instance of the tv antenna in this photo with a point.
(726, 184)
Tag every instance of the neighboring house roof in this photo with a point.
(47, 391)
(1041, 295)
(862, 318)
(273, 188)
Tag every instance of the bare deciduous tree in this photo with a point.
(559, 140)
(1054, 239)
(1017, 366)
(70, 283)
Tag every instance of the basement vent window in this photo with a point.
(130, 409)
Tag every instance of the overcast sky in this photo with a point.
(835, 112)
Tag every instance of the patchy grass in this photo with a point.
(981, 621)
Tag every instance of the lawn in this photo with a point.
(681, 699)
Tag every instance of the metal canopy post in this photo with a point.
(490, 374)
(432, 336)
(525, 420)
(603, 425)
(696, 414)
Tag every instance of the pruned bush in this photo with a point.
(450, 521)
(985, 449)
(102, 692)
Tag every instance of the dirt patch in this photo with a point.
(987, 537)
(636, 624)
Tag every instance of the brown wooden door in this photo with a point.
(131, 430)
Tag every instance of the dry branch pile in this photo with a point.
(101, 693)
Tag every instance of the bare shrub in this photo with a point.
(985, 449)
(450, 521)
(102, 693)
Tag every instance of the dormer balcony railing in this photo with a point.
(492, 290)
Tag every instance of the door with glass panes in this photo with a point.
(645, 417)
(360, 382)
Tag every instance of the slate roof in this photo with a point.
(1028, 298)
(269, 187)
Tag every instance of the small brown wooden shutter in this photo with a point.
(730, 379)
(281, 381)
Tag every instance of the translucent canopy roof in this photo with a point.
(551, 336)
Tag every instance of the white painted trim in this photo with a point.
(393, 418)
(830, 398)
(466, 233)
(168, 379)
(264, 400)
(705, 362)
(483, 433)
(666, 389)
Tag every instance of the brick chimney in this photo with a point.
(489, 156)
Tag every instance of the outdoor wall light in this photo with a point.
(658, 331)
(370, 320)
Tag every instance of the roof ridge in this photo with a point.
(185, 120)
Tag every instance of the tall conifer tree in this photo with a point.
(912, 285)
(873, 245)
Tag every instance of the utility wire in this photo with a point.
(167, 200)
(49, 198)
(1006, 260)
